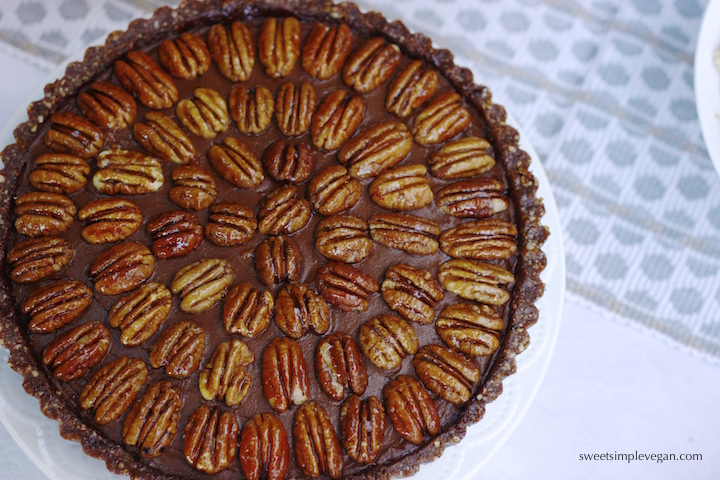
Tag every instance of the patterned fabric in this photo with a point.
(604, 89)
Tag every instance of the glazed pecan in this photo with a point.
(113, 388)
(340, 366)
(56, 305)
(206, 115)
(279, 45)
(225, 375)
(294, 108)
(477, 281)
(284, 374)
(107, 106)
(411, 409)
(162, 137)
(202, 284)
(317, 448)
(76, 351)
(37, 258)
(140, 314)
(448, 374)
(376, 149)
(278, 259)
(185, 57)
(247, 310)
(470, 328)
(362, 428)
(412, 292)
(282, 212)
(233, 50)
(264, 451)
(371, 64)
(402, 188)
(108, 220)
(194, 188)
(489, 239)
(122, 268)
(463, 158)
(230, 224)
(122, 172)
(291, 162)
(345, 287)
(298, 309)
(252, 110)
(43, 214)
(59, 173)
(144, 78)
(152, 421)
(479, 198)
(332, 190)
(326, 49)
(179, 349)
(443, 118)
(386, 340)
(73, 134)
(405, 232)
(236, 163)
(410, 89)
(210, 439)
(343, 238)
(336, 120)
(175, 234)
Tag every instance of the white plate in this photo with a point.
(707, 81)
(61, 459)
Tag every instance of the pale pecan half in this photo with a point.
(230, 224)
(299, 309)
(233, 50)
(109, 220)
(140, 314)
(107, 106)
(210, 439)
(206, 115)
(179, 348)
(113, 388)
(279, 45)
(202, 284)
(473, 280)
(74, 134)
(410, 89)
(405, 232)
(463, 158)
(185, 57)
(326, 49)
(479, 198)
(340, 366)
(294, 108)
(284, 374)
(264, 451)
(412, 292)
(56, 305)
(443, 118)
(317, 448)
(343, 238)
(43, 214)
(123, 172)
(362, 428)
(144, 78)
(371, 64)
(236, 163)
(291, 162)
(247, 310)
(488, 239)
(194, 188)
(252, 110)
(471, 329)
(278, 259)
(152, 421)
(225, 376)
(122, 268)
(76, 351)
(386, 340)
(336, 120)
(332, 190)
(411, 409)
(345, 287)
(59, 173)
(282, 213)
(37, 258)
(175, 234)
(448, 374)
(162, 137)
(375, 149)
(402, 188)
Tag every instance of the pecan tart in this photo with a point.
(267, 240)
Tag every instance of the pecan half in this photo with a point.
(298, 309)
(412, 292)
(122, 268)
(206, 115)
(283, 213)
(247, 310)
(345, 287)
(488, 239)
(140, 314)
(386, 340)
(411, 409)
(336, 120)
(291, 162)
(279, 45)
(122, 172)
(343, 238)
(37, 258)
(113, 388)
(278, 259)
(179, 348)
(464, 158)
(294, 108)
(375, 149)
(76, 351)
(326, 49)
(43, 214)
(56, 305)
(152, 421)
(264, 451)
(252, 110)
(405, 232)
(443, 118)
(233, 50)
(284, 374)
(109, 220)
(202, 284)
(174, 234)
(402, 188)
(185, 57)
(371, 64)
(477, 281)
(59, 173)
(162, 137)
(340, 366)
(210, 439)
(73, 134)
(317, 448)
(479, 198)
(194, 188)
(446, 373)
(471, 329)
(332, 190)
(144, 78)
(362, 428)
(236, 163)
(225, 375)
(107, 106)
(410, 89)
(230, 224)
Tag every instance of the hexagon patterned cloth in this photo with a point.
(604, 90)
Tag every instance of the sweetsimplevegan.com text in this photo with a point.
(642, 457)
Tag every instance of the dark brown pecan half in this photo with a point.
(298, 309)
(343, 238)
(410, 89)
(113, 388)
(477, 281)
(73, 134)
(264, 451)
(479, 198)
(278, 259)
(59, 173)
(122, 268)
(37, 258)
(43, 214)
(291, 162)
(206, 116)
(443, 118)
(386, 340)
(76, 351)
(411, 409)
(233, 50)
(185, 57)
(448, 374)
(464, 158)
(284, 374)
(412, 292)
(230, 224)
(247, 310)
(174, 234)
(109, 220)
(56, 305)
(122, 172)
(376, 149)
(402, 188)
(236, 163)
(317, 448)
(345, 287)
(340, 366)
(362, 428)
(332, 190)
(144, 78)
(107, 106)
(152, 421)
(202, 284)
(294, 108)
(210, 439)
(371, 64)
(283, 213)
(194, 188)
(162, 137)
(279, 45)
(336, 120)
(225, 376)
(489, 239)
(326, 49)
(471, 329)
(179, 349)
(140, 314)
(252, 110)
(405, 232)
